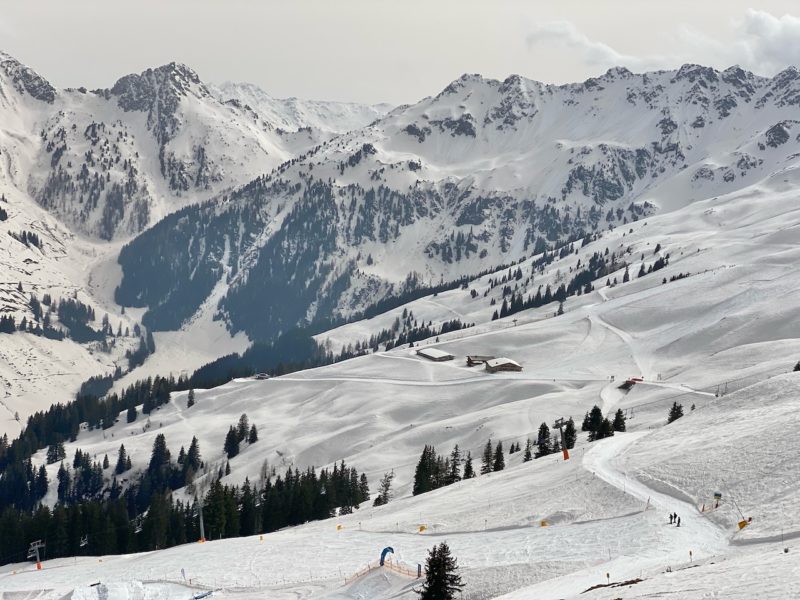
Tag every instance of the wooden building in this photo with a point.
(502, 364)
(477, 359)
(434, 354)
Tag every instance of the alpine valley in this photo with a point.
(188, 259)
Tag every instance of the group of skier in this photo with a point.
(674, 519)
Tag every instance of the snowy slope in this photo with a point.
(293, 114)
(729, 327)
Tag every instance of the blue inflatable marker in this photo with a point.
(385, 552)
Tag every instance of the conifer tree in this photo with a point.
(675, 413)
(595, 422)
(384, 490)
(543, 447)
(528, 456)
(122, 459)
(105, 461)
(606, 430)
(570, 434)
(231, 446)
(423, 474)
(190, 399)
(363, 488)
(454, 474)
(619, 421)
(499, 461)
(252, 438)
(487, 459)
(64, 482)
(131, 415)
(469, 473)
(242, 428)
(442, 581)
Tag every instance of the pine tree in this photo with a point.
(131, 415)
(586, 425)
(424, 472)
(499, 461)
(105, 461)
(253, 437)
(384, 490)
(227, 467)
(487, 459)
(193, 456)
(122, 459)
(454, 474)
(675, 413)
(606, 430)
(363, 489)
(64, 482)
(619, 421)
(528, 456)
(570, 435)
(242, 428)
(231, 446)
(595, 422)
(543, 447)
(442, 581)
(190, 399)
(469, 473)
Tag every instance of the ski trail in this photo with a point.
(696, 533)
(628, 340)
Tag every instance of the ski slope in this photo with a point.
(724, 340)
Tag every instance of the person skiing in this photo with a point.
(679, 521)
(670, 518)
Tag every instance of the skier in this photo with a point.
(670, 518)
(679, 521)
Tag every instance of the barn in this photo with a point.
(502, 364)
(434, 354)
(477, 359)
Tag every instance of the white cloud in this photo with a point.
(591, 52)
(763, 43)
(772, 43)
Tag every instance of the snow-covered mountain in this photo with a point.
(81, 171)
(481, 174)
(110, 162)
(293, 114)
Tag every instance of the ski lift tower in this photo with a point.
(559, 424)
(202, 524)
(33, 552)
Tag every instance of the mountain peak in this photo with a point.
(139, 91)
(26, 80)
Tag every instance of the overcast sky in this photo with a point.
(395, 51)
